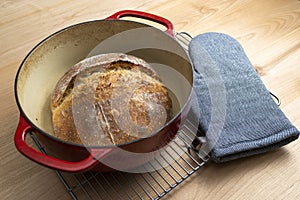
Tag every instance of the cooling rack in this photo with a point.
(178, 161)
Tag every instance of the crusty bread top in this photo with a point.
(104, 61)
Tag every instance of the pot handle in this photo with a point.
(133, 13)
(51, 162)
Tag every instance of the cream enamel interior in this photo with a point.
(47, 63)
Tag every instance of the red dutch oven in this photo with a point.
(51, 58)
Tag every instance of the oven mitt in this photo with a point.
(236, 111)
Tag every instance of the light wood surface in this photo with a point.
(268, 30)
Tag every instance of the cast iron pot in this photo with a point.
(51, 58)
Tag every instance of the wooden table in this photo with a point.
(268, 30)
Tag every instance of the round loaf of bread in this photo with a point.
(109, 99)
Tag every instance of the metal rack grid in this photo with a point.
(179, 161)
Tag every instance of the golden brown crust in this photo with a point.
(104, 61)
(109, 99)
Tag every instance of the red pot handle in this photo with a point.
(144, 15)
(51, 162)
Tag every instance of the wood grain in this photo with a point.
(268, 30)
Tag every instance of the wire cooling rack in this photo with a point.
(174, 164)
(178, 161)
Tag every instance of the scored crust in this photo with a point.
(109, 99)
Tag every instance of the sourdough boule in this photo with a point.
(109, 99)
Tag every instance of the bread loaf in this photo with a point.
(109, 99)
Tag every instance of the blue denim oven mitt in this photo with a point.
(237, 114)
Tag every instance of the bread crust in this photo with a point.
(109, 99)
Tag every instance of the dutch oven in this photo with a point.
(51, 58)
